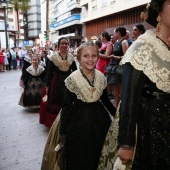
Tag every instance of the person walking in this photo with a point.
(60, 66)
(85, 116)
(33, 80)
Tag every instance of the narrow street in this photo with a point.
(22, 138)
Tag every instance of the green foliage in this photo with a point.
(22, 5)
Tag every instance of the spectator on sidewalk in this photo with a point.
(9, 57)
(5, 59)
(1, 60)
(14, 61)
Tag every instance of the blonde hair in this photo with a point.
(36, 56)
(86, 44)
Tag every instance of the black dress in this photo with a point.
(84, 122)
(55, 82)
(57, 71)
(111, 75)
(151, 112)
(34, 81)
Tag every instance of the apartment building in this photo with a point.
(29, 25)
(14, 39)
(34, 21)
(105, 15)
(65, 21)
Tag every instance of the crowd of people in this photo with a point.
(72, 90)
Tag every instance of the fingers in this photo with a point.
(125, 162)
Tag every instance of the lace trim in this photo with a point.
(77, 84)
(63, 65)
(151, 56)
(28, 59)
(35, 72)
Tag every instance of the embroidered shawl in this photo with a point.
(150, 55)
(63, 65)
(77, 84)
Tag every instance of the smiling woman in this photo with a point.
(60, 66)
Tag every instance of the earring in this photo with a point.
(158, 27)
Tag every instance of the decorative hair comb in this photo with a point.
(144, 15)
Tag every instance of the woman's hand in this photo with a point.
(111, 56)
(125, 154)
(46, 90)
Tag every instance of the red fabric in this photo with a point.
(1, 58)
(102, 63)
(46, 118)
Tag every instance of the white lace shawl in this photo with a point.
(63, 65)
(35, 72)
(77, 84)
(150, 55)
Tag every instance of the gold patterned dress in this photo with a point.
(144, 108)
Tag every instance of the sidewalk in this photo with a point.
(22, 138)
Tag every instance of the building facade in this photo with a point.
(15, 36)
(34, 21)
(106, 15)
(65, 21)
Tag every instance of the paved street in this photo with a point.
(22, 138)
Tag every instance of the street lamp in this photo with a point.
(3, 5)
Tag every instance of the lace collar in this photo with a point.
(150, 55)
(77, 84)
(63, 65)
(28, 59)
(35, 72)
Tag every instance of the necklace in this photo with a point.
(92, 89)
(64, 59)
(166, 40)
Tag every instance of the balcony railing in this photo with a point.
(69, 19)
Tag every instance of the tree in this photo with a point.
(19, 5)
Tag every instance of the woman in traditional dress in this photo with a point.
(33, 80)
(143, 138)
(60, 66)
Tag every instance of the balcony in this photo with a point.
(83, 2)
(73, 2)
(73, 17)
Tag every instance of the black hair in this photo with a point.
(98, 43)
(122, 31)
(106, 34)
(141, 28)
(45, 52)
(62, 38)
(153, 11)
